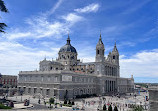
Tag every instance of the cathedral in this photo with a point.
(68, 77)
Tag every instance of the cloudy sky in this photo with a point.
(38, 28)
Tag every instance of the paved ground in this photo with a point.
(21, 106)
(90, 104)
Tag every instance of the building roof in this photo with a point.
(68, 47)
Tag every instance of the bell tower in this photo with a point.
(100, 51)
(115, 55)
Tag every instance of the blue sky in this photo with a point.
(38, 28)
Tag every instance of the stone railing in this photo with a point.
(40, 72)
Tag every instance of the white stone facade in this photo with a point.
(67, 77)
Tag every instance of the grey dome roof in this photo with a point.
(68, 47)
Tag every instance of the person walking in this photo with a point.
(39, 101)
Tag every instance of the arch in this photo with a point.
(97, 51)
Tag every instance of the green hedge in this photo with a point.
(4, 107)
(68, 105)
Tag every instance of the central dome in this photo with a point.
(68, 47)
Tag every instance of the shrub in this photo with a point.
(73, 103)
(68, 105)
(104, 107)
(138, 108)
(69, 102)
(4, 107)
(65, 101)
(51, 100)
(110, 108)
(115, 108)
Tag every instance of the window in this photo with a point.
(97, 51)
(25, 78)
(47, 92)
(48, 78)
(56, 78)
(75, 79)
(113, 57)
(35, 90)
(30, 78)
(29, 90)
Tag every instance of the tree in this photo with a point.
(51, 100)
(115, 108)
(104, 107)
(110, 108)
(65, 101)
(73, 103)
(69, 102)
(3, 9)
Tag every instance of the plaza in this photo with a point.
(124, 103)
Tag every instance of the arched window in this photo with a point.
(97, 51)
(113, 57)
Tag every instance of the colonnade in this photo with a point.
(110, 71)
(110, 86)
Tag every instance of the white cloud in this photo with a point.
(142, 64)
(72, 18)
(20, 58)
(40, 27)
(55, 7)
(90, 8)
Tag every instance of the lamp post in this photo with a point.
(7, 90)
(21, 93)
(135, 98)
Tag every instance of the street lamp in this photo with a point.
(21, 93)
(7, 90)
(135, 98)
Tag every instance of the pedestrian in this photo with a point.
(39, 101)
(44, 102)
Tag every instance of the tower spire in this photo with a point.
(68, 39)
(100, 34)
(100, 39)
(115, 48)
